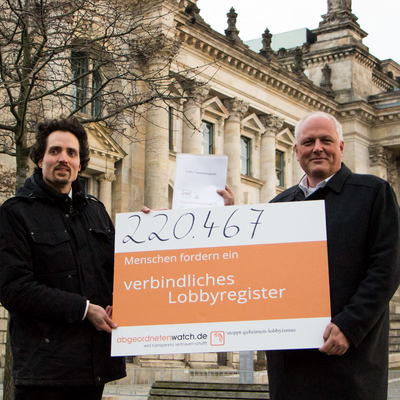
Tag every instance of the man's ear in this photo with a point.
(40, 163)
(296, 150)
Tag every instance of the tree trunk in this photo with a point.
(22, 154)
(8, 384)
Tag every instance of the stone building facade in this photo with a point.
(245, 105)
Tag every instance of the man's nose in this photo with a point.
(63, 157)
(318, 146)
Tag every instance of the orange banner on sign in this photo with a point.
(221, 284)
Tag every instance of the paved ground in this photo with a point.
(394, 389)
(393, 394)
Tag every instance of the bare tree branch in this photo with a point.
(90, 58)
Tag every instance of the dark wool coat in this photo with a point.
(362, 218)
(55, 253)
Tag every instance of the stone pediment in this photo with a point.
(253, 123)
(102, 144)
(286, 137)
(215, 107)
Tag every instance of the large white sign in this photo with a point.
(222, 279)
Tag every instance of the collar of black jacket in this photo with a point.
(36, 188)
(337, 181)
(335, 184)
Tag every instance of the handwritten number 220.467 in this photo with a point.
(184, 225)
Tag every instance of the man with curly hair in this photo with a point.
(56, 272)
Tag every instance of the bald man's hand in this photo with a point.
(336, 343)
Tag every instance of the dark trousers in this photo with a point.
(58, 393)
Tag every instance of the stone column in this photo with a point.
(159, 53)
(156, 156)
(267, 154)
(105, 192)
(237, 109)
(192, 120)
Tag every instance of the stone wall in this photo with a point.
(394, 332)
(7, 188)
(3, 336)
(7, 183)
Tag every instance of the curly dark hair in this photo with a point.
(44, 129)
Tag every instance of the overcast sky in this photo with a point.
(380, 19)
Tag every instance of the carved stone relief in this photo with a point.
(382, 157)
(326, 82)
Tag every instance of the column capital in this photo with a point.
(107, 176)
(195, 90)
(272, 122)
(237, 108)
(197, 94)
(161, 49)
